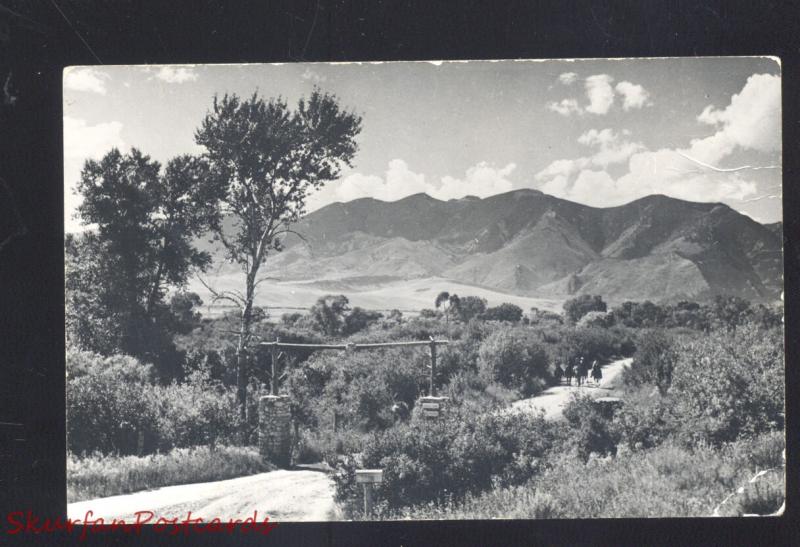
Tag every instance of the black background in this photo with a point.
(45, 36)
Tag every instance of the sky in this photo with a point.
(598, 132)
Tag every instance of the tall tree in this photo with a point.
(141, 224)
(265, 159)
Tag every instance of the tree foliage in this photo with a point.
(504, 312)
(141, 223)
(514, 358)
(730, 384)
(576, 308)
(470, 307)
(265, 158)
(654, 361)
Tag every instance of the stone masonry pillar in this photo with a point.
(274, 429)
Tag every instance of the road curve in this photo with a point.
(553, 400)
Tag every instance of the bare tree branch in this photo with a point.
(221, 295)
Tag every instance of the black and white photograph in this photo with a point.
(428, 290)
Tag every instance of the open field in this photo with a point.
(409, 296)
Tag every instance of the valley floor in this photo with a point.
(407, 296)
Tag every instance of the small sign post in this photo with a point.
(368, 478)
(432, 407)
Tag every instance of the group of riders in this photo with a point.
(580, 370)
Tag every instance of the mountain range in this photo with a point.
(528, 243)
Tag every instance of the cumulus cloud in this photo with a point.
(563, 168)
(86, 79)
(81, 142)
(568, 78)
(565, 107)
(600, 93)
(399, 181)
(176, 75)
(633, 95)
(481, 180)
(609, 148)
(750, 122)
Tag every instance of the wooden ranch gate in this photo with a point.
(274, 415)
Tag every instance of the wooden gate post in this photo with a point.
(273, 351)
(432, 390)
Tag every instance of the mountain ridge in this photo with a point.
(529, 243)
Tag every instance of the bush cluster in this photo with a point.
(114, 407)
(516, 359)
(432, 461)
(667, 481)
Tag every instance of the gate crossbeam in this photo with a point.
(277, 345)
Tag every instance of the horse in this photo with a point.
(583, 372)
(597, 372)
(558, 373)
(569, 373)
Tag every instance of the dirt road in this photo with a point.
(297, 495)
(552, 400)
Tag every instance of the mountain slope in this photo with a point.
(528, 243)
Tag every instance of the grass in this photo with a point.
(97, 475)
(667, 481)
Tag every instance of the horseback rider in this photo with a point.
(558, 373)
(597, 372)
(582, 372)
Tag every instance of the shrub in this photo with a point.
(594, 343)
(667, 481)
(514, 358)
(645, 420)
(577, 307)
(358, 388)
(599, 319)
(470, 307)
(730, 384)
(195, 413)
(110, 402)
(544, 317)
(590, 431)
(504, 312)
(653, 362)
(359, 319)
(640, 314)
(430, 461)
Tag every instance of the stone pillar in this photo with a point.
(274, 429)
